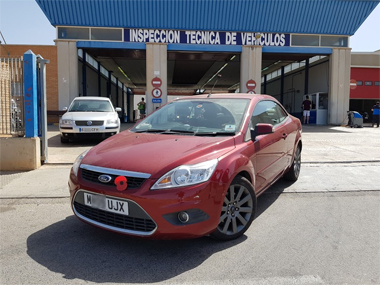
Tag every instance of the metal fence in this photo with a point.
(11, 97)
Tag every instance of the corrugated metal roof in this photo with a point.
(340, 17)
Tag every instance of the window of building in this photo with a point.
(92, 61)
(106, 34)
(334, 41)
(368, 83)
(104, 71)
(359, 83)
(295, 65)
(73, 33)
(377, 83)
(298, 40)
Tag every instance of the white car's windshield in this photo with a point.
(90, 106)
(214, 116)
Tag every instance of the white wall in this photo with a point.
(67, 58)
(319, 78)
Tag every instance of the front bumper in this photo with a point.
(152, 214)
(71, 132)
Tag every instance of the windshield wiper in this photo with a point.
(178, 132)
(151, 131)
(215, 134)
(166, 132)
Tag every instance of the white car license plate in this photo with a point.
(88, 130)
(106, 204)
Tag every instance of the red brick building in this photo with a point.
(49, 53)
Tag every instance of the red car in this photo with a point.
(192, 168)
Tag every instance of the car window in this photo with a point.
(90, 106)
(268, 112)
(214, 115)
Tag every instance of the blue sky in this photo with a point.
(23, 22)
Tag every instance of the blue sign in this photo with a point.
(154, 100)
(205, 37)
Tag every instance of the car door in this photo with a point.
(268, 154)
(291, 130)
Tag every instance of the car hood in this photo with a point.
(88, 115)
(156, 154)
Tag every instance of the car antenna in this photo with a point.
(217, 78)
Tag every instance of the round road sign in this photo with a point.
(251, 92)
(156, 92)
(251, 84)
(156, 82)
(353, 84)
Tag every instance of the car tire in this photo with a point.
(64, 140)
(294, 170)
(238, 210)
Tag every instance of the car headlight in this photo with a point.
(78, 161)
(66, 122)
(186, 175)
(111, 121)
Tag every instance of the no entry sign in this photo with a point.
(353, 84)
(156, 82)
(251, 84)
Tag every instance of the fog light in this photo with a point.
(183, 217)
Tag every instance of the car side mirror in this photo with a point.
(118, 109)
(261, 129)
(64, 109)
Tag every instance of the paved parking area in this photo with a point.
(320, 144)
(333, 159)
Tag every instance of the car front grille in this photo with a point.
(93, 123)
(115, 220)
(132, 182)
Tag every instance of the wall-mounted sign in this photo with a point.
(251, 84)
(156, 92)
(353, 84)
(155, 100)
(156, 82)
(205, 37)
(251, 92)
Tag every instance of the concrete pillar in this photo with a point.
(250, 67)
(68, 85)
(156, 66)
(339, 90)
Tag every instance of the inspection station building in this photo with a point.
(162, 49)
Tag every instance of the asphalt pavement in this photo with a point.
(334, 158)
(322, 229)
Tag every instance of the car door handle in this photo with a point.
(284, 136)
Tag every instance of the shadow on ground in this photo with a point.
(78, 250)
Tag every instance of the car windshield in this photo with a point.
(211, 116)
(90, 106)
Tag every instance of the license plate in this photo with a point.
(106, 204)
(88, 130)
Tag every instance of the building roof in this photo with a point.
(339, 17)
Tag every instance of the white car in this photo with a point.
(89, 116)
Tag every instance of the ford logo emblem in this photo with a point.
(89, 123)
(104, 178)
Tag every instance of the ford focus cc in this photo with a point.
(193, 168)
